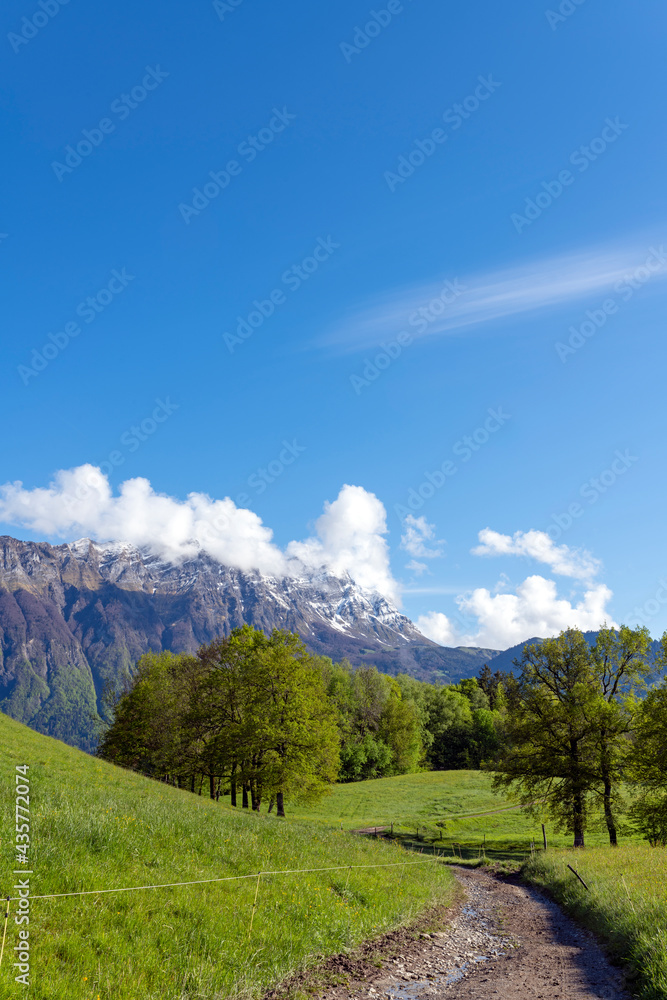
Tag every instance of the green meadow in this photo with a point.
(95, 826)
(453, 812)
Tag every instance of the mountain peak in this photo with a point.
(75, 617)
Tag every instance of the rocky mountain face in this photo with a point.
(74, 618)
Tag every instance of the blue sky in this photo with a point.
(498, 168)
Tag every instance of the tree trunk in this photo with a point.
(605, 769)
(608, 813)
(245, 795)
(255, 796)
(232, 785)
(578, 818)
(192, 783)
(271, 802)
(211, 786)
(280, 808)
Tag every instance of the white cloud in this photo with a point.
(534, 610)
(417, 532)
(416, 567)
(350, 532)
(350, 538)
(503, 620)
(576, 563)
(499, 294)
(80, 501)
(437, 627)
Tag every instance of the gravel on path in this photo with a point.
(506, 941)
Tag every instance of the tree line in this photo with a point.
(577, 731)
(259, 717)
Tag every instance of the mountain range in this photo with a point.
(75, 618)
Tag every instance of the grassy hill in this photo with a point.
(94, 826)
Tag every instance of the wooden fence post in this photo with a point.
(4, 933)
(254, 905)
(578, 876)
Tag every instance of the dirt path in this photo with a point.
(506, 942)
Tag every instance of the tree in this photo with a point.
(380, 727)
(491, 684)
(450, 725)
(146, 734)
(295, 730)
(649, 815)
(620, 659)
(568, 721)
(546, 734)
(399, 729)
(648, 756)
(261, 717)
(648, 762)
(250, 708)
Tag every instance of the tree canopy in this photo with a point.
(566, 731)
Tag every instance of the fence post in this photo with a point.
(4, 933)
(578, 876)
(254, 905)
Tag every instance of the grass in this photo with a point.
(94, 826)
(625, 904)
(450, 811)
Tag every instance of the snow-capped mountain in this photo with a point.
(74, 617)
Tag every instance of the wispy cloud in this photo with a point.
(447, 306)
